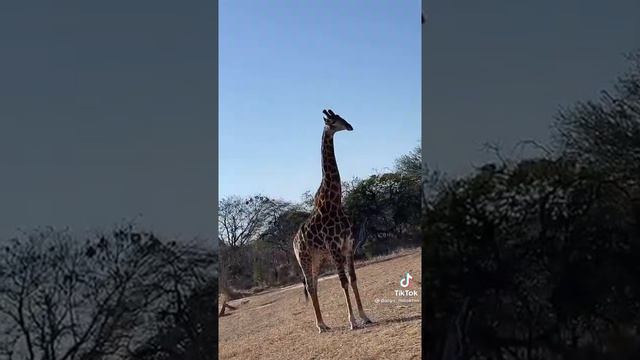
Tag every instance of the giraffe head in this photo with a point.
(334, 122)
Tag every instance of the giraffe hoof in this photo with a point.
(353, 326)
(366, 320)
(322, 328)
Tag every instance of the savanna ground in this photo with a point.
(278, 324)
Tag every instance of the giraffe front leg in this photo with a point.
(345, 289)
(340, 265)
(354, 285)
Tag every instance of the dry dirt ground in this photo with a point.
(278, 324)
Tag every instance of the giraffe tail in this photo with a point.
(306, 292)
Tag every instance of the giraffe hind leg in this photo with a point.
(311, 288)
(313, 292)
(305, 287)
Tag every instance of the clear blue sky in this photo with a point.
(282, 62)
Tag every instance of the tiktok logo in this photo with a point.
(404, 282)
(406, 295)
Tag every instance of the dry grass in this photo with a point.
(278, 324)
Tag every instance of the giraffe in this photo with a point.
(327, 233)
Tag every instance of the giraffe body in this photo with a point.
(327, 233)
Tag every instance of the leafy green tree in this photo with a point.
(410, 164)
(274, 249)
(605, 133)
(526, 261)
(390, 205)
(188, 331)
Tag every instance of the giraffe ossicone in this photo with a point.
(327, 233)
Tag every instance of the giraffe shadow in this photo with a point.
(265, 304)
(377, 261)
(377, 323)
(393, 321)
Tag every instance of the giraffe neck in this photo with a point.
(330, 189)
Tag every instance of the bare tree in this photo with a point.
(241, 220)
(63, 299)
